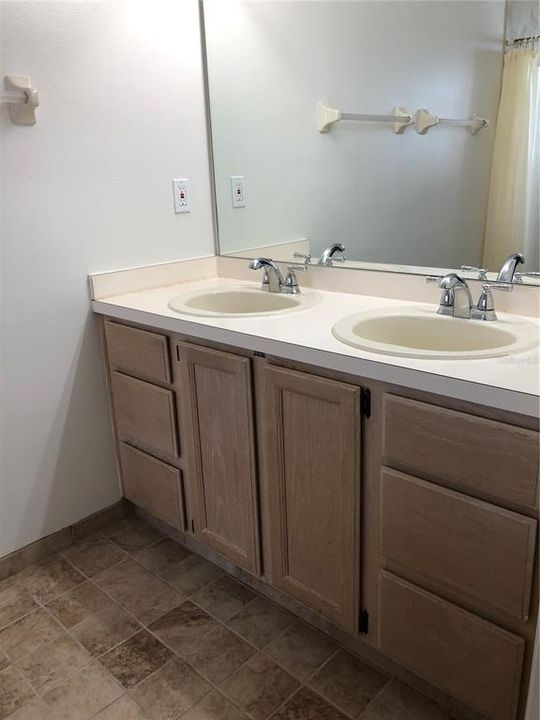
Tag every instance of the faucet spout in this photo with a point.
(456, 299)
(508, 268)
(327, 257)
(272, 274)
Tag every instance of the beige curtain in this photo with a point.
(514, 202)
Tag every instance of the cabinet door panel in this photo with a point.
(486, 458)
(312, 437)
(144, 414)
(480, 551)
(475, 660)
(138, 352)
(216, 404)
(153, 484)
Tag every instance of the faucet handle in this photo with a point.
(290, 286)
(518, 277)
(305, 257)
(485, 307)
(482, 272)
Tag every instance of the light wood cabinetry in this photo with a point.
(473, 659)
(217, 411)
(480, 551)
(153, 485)
(490, 459)
(421, 517)
(312, 435)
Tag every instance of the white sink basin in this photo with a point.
(240, 301)
(412, 332)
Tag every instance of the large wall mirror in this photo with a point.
(405, 130)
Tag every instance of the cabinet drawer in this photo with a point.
(138, 352)
(479, 551)
(470, 658)
(152, 484)
(144, 414)
(490, 459)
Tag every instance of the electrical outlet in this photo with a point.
(238, 191)
(182, 199)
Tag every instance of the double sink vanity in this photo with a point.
(308, 442)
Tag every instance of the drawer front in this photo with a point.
(490, 459)
(138, 352)
(153, 485)
(472, 659)
(483, 553)
(144, 414)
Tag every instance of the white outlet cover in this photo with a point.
(181, 195)
(238, 191)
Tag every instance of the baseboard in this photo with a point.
(56, 542)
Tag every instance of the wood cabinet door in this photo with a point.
(216, 408)
(312, 448)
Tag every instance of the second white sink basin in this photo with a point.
(412, 332)
(240, 301)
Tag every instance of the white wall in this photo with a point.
(409, 199)
(86, 189)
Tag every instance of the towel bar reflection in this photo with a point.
(21, 98)
(423, 120)
(327, 117)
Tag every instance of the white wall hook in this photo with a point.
(22, 98)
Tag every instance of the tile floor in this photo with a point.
(128, 625)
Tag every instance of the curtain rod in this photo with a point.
(521, 40)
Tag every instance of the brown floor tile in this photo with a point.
(192, 575)
(348, 683)
(398, 702)
(224, 598)
(102, 631)
(83, 694)
(138, 591)
(215, 707)
(260, 622)
(260, 686)
(307, 705)
(136, 658)
(216, 655)
(53, 663)
(132, 534)
(300, 650)
(170, 691)
(79, 604)
(94, 554)
(14, 603)
(4, 662)
(14, 692)
(26, 635)
(49, 579)
(185, 621)
(34, 710)
(162, 557)
(122, 709)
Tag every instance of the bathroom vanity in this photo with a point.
(405, 519)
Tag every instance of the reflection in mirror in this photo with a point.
(406, 131)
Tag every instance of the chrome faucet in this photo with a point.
(272, 277)
(508, 268)
(456, 299)
(327, 257)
